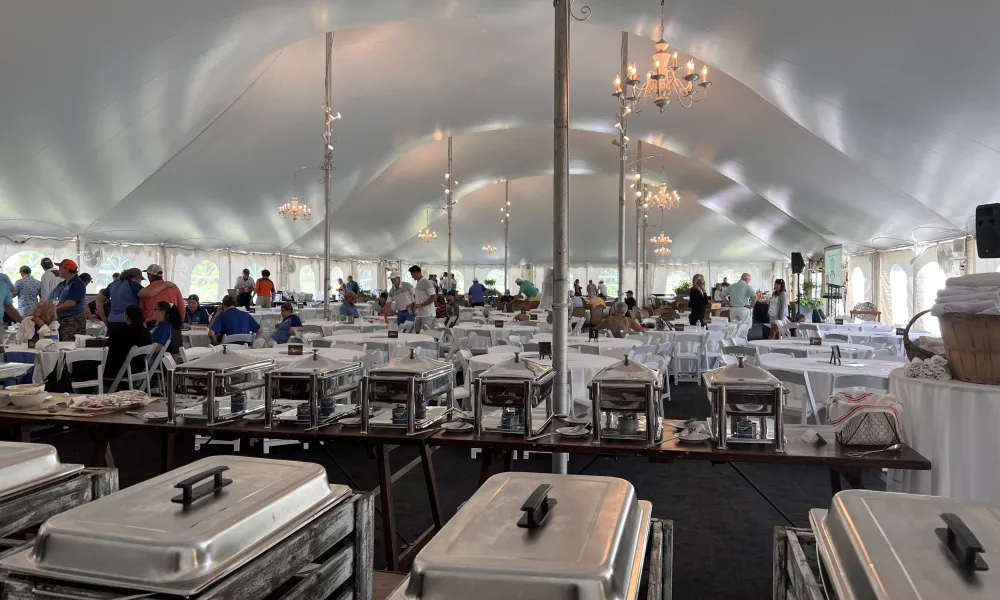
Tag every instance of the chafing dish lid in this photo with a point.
(887, 546)
(517, 367)
(740, 374)
(317, 363)
(24, 465)
(412, 364)
(626, 371)
(589, 547)
(225, 361)
(140, 538)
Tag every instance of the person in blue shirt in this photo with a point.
(8, 302)
(352, 286)
(118, 296)
(477, 293)
(196, 313)
(167, 331)
(289, 324)
(231, 321)
(69, 297)
(347, 309)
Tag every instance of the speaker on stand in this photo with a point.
(797, 267)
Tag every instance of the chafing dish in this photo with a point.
(517, 387)
(317, 380)
(537, 536)
(212, 377)
(901, 546)
(746, 406)
(225, 526)
(408, 383)
(619, 395)
(35, 485)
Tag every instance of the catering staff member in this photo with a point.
(69, 297)
(244, 287)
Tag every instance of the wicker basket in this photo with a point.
(913, 350)
(972, 343)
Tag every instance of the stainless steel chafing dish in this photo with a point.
(409, 384)
(517, 387)
(537, 536)
(318, 381)
(746, 406)
(228, 526)
(619, 395)
(212, 377)
(904, 546)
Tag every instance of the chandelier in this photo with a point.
(489, 248)
(665, 199)
(426, 234)
(661, 251)
(661, 240)
(294, 210)
(664, 80)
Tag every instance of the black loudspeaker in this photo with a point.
(797, 263)
(988, 230)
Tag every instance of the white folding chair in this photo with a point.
(154, 366)
(687, 352)
(189, 354)
(125, 372)
(321, 343)
(800, 379)
(892, 341)
(839, 337)
(238, 338)
(640, 353)
(348, 346)
(575, 324)
(480, 342)
(98, 355)
(463, 393)
(808, 330)
(751, 353)
(712, 348)
(503, 349)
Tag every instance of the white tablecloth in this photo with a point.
(495, 333)
(846, 350)
(45, 362)
(359, 326)
(954, 424)
(194, 338)
(615, 348)
(281, 357)
(13, 370)
(380, 340)
(582, 368)
(821, 372)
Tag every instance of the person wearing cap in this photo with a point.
(244, 287)
(477, 293)
(232, 321)
(28, 291)
(118, 296)
(49, 278)
(400, 299)
(159, 290)
(69, 296)
(196, 313)
(424, 296)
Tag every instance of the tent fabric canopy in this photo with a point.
(182, 122)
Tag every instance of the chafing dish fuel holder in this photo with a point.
(318, 381)
(225, 373)
(746, 406)
(517, 387)
(408, 384)
(619, 394)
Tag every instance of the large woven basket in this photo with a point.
(911, 348)
(972, 343)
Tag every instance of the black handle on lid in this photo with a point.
(190, 493)
(537, 508)
(962, 543)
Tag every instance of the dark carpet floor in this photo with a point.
(723, 528)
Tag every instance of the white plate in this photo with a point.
(578, 420)
(573, 432)
(350, 422)
(456, 426)
(154, 417)
(693, 437)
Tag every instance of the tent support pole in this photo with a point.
(449, 203)
(623, 157)
(506, 228)
(560, 209)
(327, 176)
(638, 215)
(643, 281)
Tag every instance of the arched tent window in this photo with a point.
(675, 278)
(899, 291)
(610, 279)
(109, 266)
(857, 284)
(930, 279)
(255, 269)
(205, 281)
(30, 258)
(366, 278)
(497, 276)
(307, 280)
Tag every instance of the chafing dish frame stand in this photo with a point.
(346, 530)
(314, 380)
(652, 413)
(477, 407)
(411, 403)
(213, 409)
(36, 505)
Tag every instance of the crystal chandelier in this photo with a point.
(426, 234)
(489, 248)
(664, 80)
(661, 240)
(665, 199)
(293, 210)
(661, 251)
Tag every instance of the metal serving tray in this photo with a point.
(434, 414)
(590, 545)
(147, 538)
(24, 466)
(883, 546)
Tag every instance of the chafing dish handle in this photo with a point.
(962, 543)
(537, 508)
(190, 493)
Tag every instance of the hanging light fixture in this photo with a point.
(665, 199)
(665, 80)
(661, 251)
(293, 210)
(426, 234)
(661, 240)
(489, 249)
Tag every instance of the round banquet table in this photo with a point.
(358, 326)
(495, 333)
(45, 362)
(954, 424)
(380, 340)
(582, 367)
(615, 348)
(281, 357)
(196, 337)
(821, 372)
(846, 349)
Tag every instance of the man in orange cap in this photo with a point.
(70, 296)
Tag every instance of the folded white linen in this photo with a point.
(986, 294)
(977, 306)
(958, 290)
(935, 367)
(975, 280)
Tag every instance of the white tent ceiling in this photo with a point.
(182, 121)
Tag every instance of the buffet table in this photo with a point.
(954, 424)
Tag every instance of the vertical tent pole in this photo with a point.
(449, 203)
(327, 176)
(638, 215)
(623, 156)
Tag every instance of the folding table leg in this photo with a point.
(388, 508)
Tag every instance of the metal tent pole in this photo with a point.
(643, 282)
(560, 212)
(327, 177)
(449, 203)
(638, 212)
(623, 152)
(506, 228)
